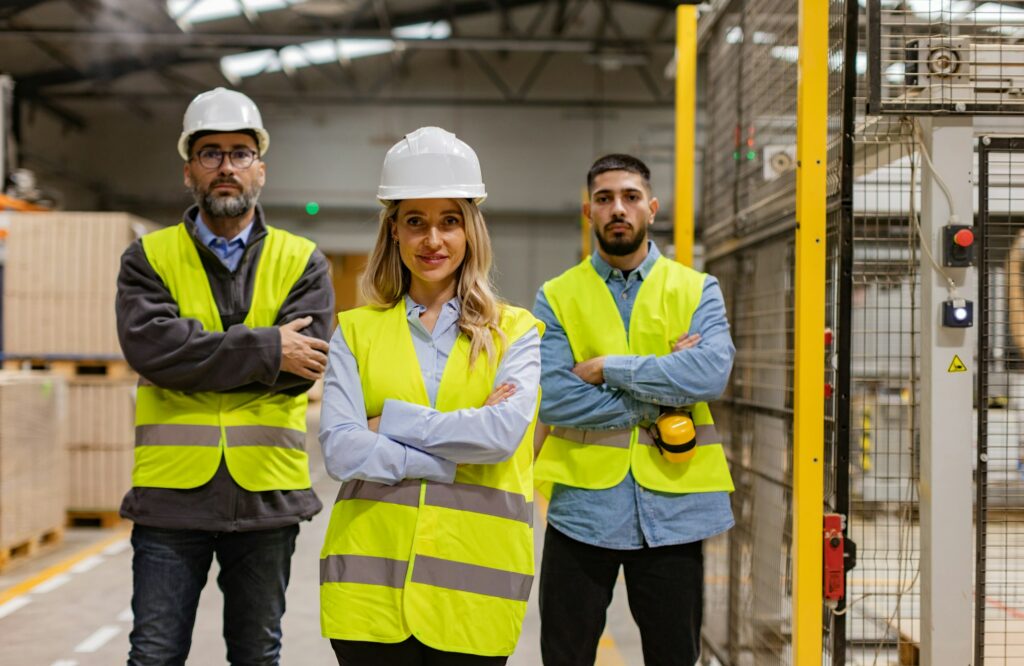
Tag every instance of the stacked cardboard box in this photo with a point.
(60, 281)
(33, 463)
(100, 442)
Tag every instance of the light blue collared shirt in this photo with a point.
(418, 442)
(228, 251)
(628, 516)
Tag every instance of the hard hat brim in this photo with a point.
(262, 136)
(387, 194)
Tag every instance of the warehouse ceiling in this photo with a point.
(64, 54)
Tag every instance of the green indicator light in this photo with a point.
(751, 155)
(736, 155)
(312, 208)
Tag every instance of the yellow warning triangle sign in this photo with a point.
(956, 365)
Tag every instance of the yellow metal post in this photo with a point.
(686, 121)
(585, 247)
(809, 397)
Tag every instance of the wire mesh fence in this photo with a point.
(932, 56)
(999, 584)
(749, 220)
(951, 55)
(883, 596)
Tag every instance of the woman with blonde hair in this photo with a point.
(428, 412)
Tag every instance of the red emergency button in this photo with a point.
(964, 238)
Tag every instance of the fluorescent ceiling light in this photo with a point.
(941, 9)
(787, 53)
(320, 52)
(835, 61)
(190, 12)
(735, 36)
(997, 12)
(431, 30)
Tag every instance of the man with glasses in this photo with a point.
(226, 320)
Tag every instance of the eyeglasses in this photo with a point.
(212, 158)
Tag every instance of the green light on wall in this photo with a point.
(312, 208)
(751, 155)
(736, 155)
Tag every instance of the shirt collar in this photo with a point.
(208, 237)
(412, 307)
(605, 270)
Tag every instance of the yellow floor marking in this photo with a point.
(608, 653)
(59, 568)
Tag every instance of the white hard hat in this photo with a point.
(222, 110)
(431, 163)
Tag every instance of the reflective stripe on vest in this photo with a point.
(707, 435)
(664, 306)
(419, 557)
(180, 437)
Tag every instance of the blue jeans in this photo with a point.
(170, 569)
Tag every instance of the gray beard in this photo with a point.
(215, 207)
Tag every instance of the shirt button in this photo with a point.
(625, 295)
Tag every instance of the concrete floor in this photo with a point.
(81, 616)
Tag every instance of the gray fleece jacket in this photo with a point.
(177, 353)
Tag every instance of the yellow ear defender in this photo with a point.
(675, 436)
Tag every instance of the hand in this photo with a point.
(373, 424)
(300, 354)
(500, 394)
(686, 342)
(592, 371)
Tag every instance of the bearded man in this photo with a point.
(629, 335)
(226, 320)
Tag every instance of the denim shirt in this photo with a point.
(628, 516)
(415, 441)
(228, 251)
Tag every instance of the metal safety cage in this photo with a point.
(878, 370)
(999, 572)
(843, 43)
(945, 56)
(748, 221)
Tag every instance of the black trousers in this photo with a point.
(409, 652)
(666, 598)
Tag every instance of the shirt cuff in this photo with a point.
(420, 465)
(649, 412)
(618, 371)
(402, 422)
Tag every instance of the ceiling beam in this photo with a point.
(103, 71)
(366, 27)
(233, 42)
(376, 99)
(12, 8)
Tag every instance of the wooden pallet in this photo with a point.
(72, 368)
(89, 518)
(29, 547)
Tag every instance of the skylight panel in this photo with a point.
(189, 12)
(296, 56)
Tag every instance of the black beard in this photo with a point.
(620, 247)
(218, 207)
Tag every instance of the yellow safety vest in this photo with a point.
(180, 437)
(451, 564)
(663, 309)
